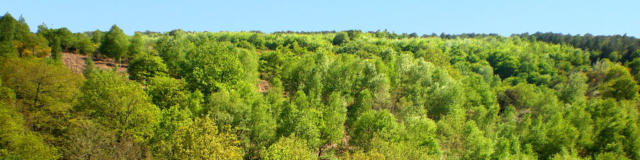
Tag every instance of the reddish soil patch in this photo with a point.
(76, 63)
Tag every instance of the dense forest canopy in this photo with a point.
(317, 95)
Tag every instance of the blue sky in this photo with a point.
(423, 17)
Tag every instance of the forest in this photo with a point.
(317, 95)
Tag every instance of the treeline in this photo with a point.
(618, 48)
(342, 95)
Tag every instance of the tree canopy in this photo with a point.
(317, 95)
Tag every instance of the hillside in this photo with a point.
(312, 95)
(76, 63)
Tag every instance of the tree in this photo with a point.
(307, 123)
(60, 40)
(136, 46)
(362, 104)
(97, 36)
(46, 91)
(172, 119)
(619, 84)
(231, 107)
(8, 32)
(34, 45)
(422, 135)
(521, 96)
(203, 140)
(8, 49)
(83, 44)
(166, 92)
(115, 43)
(211, 67)
(477, 146)
(370, 125)
(65, 37)
(40, 83)
(56, 50)
(18, 143)
(8, 26)
(173, 52)
(334, 116)
(142, 68)
(340, 38)
(506, 65)
(613, 130)
(371, 155)
(88, 140)
(103, 101)
(574, 89)
(263, 127)
(288, 148)
(89, 66)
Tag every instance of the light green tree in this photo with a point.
(203, 140)
(102, 100)
(288, 148)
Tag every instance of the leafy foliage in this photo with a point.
(115, 43)
(143, 68)
(318, 95)
(288, 148)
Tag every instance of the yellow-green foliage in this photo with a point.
(320, 95)
(288, 148)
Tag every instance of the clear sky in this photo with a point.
(421, 16)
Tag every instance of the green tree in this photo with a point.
(173, 51)
(477, 145)
(263, 127)
(288, 148)
(65, 37)
(8, 32)
(45, 91)
(136, 46)
(8, 49)
(88, 140)
(203, 140)
(340, 38)
(102, 100)
(574, 89)
(34, 45)
(97, 36)
(115, 43)
(83, 44)
(166, 92)
(362, 104)
(18, 143)
(142, 68)
(211, 67)
(334, 116)
(505, 64)
(162, 142)
(8, 26)
(89, 66)
(619, 84)
(613, 130)
(370, 125)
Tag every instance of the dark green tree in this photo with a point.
(340, 38)
(145, 67)
(115, 43)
